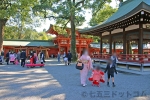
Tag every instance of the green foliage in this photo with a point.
(102, 15)
(65, 11)
(60, 30)
(61, 10)
(96, 39)
(11, 32)
(9, 8)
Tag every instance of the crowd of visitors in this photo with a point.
(84, 58)
(66, 58)
(15, 58)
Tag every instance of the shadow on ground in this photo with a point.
(59, 82)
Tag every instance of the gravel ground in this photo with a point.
(60, 82)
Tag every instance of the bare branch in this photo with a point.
(77, 20)
(66, 24)
(100, 6)
(78, 3)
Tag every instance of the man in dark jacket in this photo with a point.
(23, 58)
(7, 57)
(110, 69)
(42, 57)
(69, 56)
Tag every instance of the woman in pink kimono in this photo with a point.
(86, 60)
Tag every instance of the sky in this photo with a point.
(46, 23)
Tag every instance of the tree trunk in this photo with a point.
(2, 25)
(19, 32)
(73, 37)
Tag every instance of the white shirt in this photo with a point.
(111, 65)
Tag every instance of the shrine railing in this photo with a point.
(139, 58)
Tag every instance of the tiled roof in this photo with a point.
(27, 43)
(121, 14)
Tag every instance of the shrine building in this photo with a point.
(130, 24)
(61, 43)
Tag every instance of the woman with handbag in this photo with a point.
(87, 62)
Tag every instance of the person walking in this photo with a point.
(110, 69)
(2, 56)
(15, 54)
(114, 59)
(7, 57)
(58, 56)
(69, 56)
(35, 57)
(31, 54)
(42, 57)
(63, 56)
(23, 58)
(39, 57)
(18, 56)
(86, 60)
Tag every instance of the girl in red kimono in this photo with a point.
(97, 76)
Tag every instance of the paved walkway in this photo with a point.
(60, 82)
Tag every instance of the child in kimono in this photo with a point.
(97, 76)
(16, 61)
(110, 69)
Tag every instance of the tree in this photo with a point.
(60, 30)
(10, 9)
(11, 32)
(102, 15)
(95, 39)
(68, 11)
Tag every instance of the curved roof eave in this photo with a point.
(132, 8)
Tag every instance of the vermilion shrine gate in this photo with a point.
(64, 42)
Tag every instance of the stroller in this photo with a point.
(1, 60)
(12, 58)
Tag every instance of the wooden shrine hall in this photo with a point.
(131, 23)
(28, 46)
